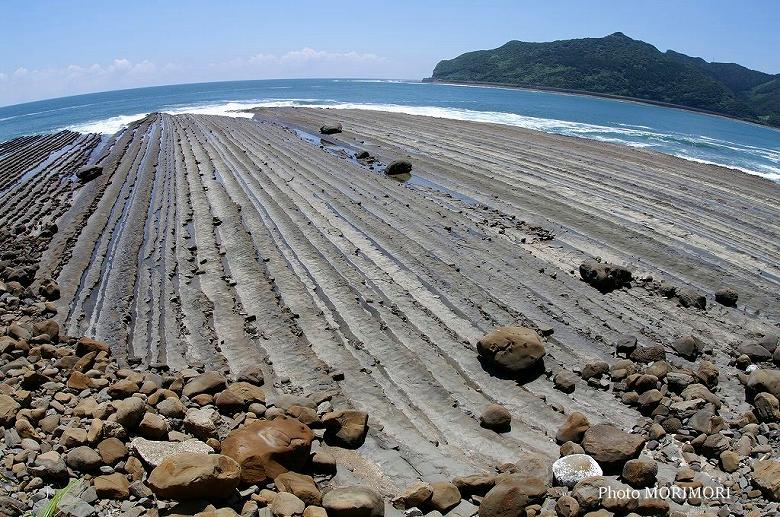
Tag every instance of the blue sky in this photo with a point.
(56, 48)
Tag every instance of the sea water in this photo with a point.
(694, 136)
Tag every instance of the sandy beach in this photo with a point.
(230, 242)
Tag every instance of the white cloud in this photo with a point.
(29, 84)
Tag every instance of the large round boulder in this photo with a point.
(727, 296)
(610, 446)
(189, 475)
(504, 500)
(353, 501)
(265, 449)
(573, 428)
(496, 418)
(398, 168)
(764, 380)
(570, 470)
(516, 350)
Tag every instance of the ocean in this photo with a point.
(693, 136)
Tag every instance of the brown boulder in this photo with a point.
(302, 486)
(445, 496)
(346, 428)
(515, 350)
(766, 476)
(573, 428)
(640, 472)
(353, 502)
(8, 409)
(610, 446)
(86, 345)
(209, 382)
(504, 500)
(764, 380)
(112, 486)
(189, 475)
(414, 496)
(496, 417)
(265, 449)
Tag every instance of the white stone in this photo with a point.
(571, 469)
(154, 452)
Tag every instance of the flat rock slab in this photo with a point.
(153, 452)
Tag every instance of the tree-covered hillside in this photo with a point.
(619, 65)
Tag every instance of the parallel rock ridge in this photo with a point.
(431, 332)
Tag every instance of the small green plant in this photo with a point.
(52, 507)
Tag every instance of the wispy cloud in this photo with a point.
(25, 84)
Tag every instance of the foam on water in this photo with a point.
(691, 147)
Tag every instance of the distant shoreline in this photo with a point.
(586, 93)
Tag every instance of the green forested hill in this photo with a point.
(619, 65)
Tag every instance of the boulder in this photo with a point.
(516, 350)
(605, 277)
(398, 167)
(86, 345)
(49, 327)
(50, 465)
(688, 347)
(504, 500)
(302, 486)
(573, 428)
(640, 472)
(331, 129)
(111, 450)
(353, 501)
(153, 426)
(625, 344)
(444, 496)
(764, 380)
(286, 504)
(496, 418)
(610, 446)
(570, 470)
(565, 381)
(755, 352)
(726, 296)
(767, 407)
(770, 342)
(594, 369)
(189, 475)
(474, 484)
(264, 449)
(152, 453)
(590, 492)
(567, 506)
(648, 354)
(83, 459)
(690, 298)
(415, 495)
(766, 476)
(112, 486)
(8, 410)
(88, 172)
(202, 422)
(346, 428)
(208, 382)
(129, 412)
(49, 289)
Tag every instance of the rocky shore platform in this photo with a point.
(351, 313)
